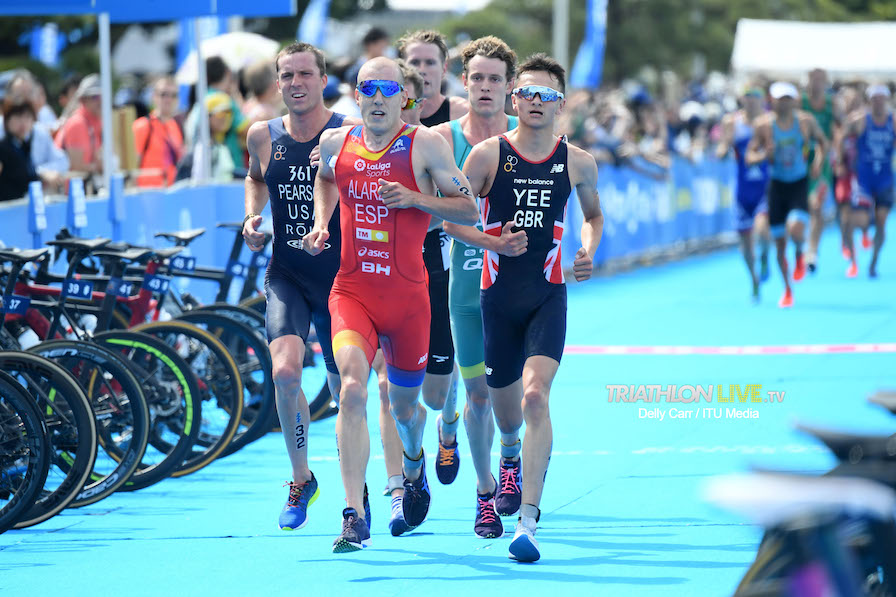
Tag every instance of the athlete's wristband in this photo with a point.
(246, 219)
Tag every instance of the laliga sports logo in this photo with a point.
(360, 165)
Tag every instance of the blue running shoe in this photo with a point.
(415, 502)
(355, 533)
(397, 524)
(510, 490)
(301, 495)
(524, 547)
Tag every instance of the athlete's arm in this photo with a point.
(326, 193)
(509, 243)
(479, 168)
(584, 177)
(456, 203)
(258, 139)
(761, 146)
(724, 145)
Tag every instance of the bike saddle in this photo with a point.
(79, 245)
(182, 237)
(853, 447)
(127, 255)
(22, 256)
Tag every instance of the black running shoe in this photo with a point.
(510, 490)
(487, 525)
(447, 460)
(355, 533)
(367, 508)
(415, 502)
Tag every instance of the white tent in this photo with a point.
(789, 49)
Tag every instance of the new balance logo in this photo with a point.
(557, 169)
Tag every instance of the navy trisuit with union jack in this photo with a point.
(523, 298)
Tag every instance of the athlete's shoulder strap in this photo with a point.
(336, 120)
(276, 128)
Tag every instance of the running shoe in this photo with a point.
(510, 491)
(847, 254)
(355, 533)
(787, 299)
(301, 495)
(415, 501)
(367, 508)
(812, 263)
(755, 296)
(524, 547)
(397, 524)
(853, 270)
(487, 525)
(799, 272)
(866, 240)
(763, 267)
(448, 458)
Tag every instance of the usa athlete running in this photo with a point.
(296, 285)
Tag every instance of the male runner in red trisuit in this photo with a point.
(386, 173)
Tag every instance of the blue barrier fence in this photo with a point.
(641, 214)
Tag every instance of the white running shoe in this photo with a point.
(524, 547)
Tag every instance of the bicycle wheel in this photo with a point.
(24, 451)
(254, 361)
(314, 380)
(173, 397)
(119, 406)
(71, 430)
(220, 388)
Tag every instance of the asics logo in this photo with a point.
(422, 360)
(398, 146)
(375, 253)
(439, 358)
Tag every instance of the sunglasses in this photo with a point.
(167, 94)
(387, 88)
(530, 91)
(412, 103)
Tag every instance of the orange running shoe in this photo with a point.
(866, 240)
(799, 272)
(853, 270)
(787, 299)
